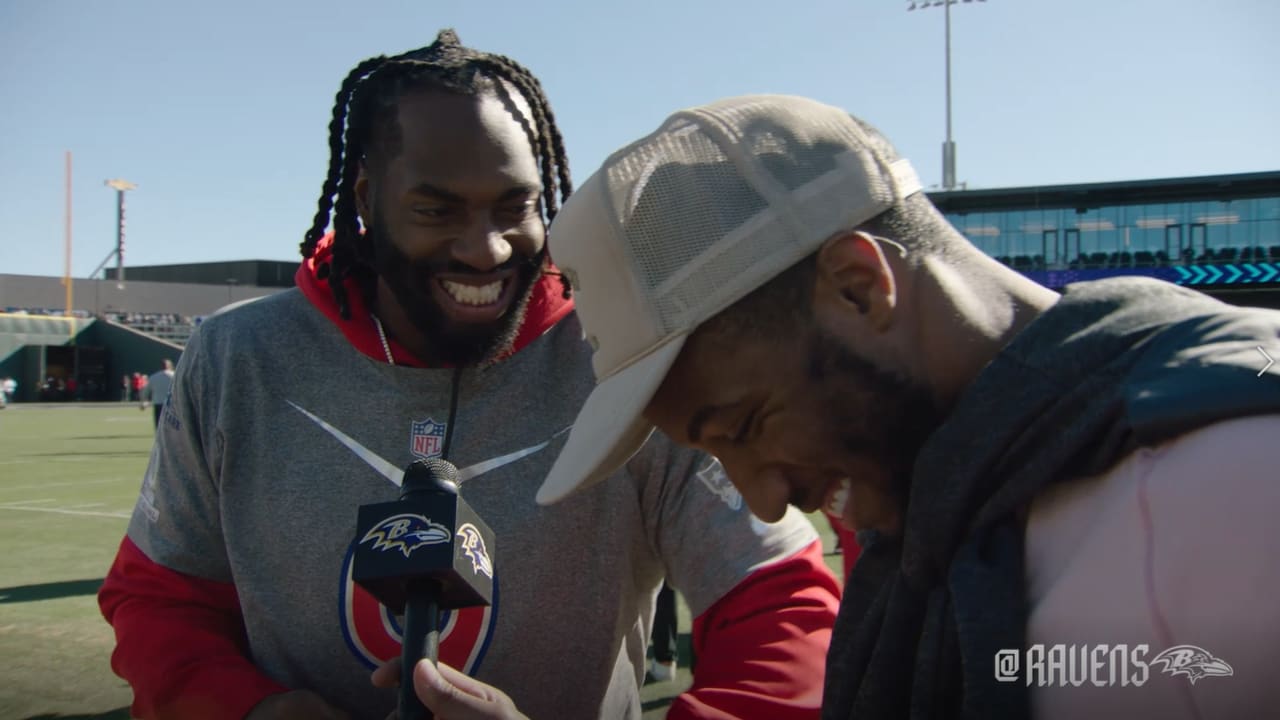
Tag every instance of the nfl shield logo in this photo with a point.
(426, 439)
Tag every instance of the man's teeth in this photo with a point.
(473, 294)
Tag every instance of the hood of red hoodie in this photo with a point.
(547, 306)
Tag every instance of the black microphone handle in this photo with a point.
(421, 640)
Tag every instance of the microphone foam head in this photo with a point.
(434, 475)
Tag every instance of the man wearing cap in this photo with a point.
(1081, 483)
(430, 323)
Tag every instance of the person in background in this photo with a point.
(665, 637)
(136, 384)
(157, 389)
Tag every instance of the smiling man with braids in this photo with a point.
(431, 322)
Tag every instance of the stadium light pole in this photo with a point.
(948, 146)
(121, 187)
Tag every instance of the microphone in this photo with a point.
(424, 553)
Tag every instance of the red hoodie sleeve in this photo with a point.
(180, 642)
(762, 648)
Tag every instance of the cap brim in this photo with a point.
(610, 427)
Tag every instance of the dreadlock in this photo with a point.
(366, 103)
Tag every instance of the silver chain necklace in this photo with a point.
(382, 335)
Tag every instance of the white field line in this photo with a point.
(69, 484)
(64, 511)
(77, 459)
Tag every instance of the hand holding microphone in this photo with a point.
(451, 693)
(426, 552)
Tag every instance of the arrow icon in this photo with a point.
(1215, 272)
(1270, 269)
(1234, 273)
(1270, 362)
(1183, 274)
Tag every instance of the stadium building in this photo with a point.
(117, 327)
(1218, 234)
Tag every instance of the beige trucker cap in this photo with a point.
(683, 223)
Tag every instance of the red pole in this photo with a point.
(66, 276)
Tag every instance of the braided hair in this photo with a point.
(364, 121)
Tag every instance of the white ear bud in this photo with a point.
(839, 498)
(902, 249)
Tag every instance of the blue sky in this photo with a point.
(218, 111)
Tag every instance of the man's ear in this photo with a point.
(855, 278)
(362, 195)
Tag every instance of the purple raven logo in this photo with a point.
(406, 532)
(1192, 661)
(473, 546)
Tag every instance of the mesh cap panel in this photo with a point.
(720, 200)
(683, 194)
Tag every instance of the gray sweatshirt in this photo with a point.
(277, 430)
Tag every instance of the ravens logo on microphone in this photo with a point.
(473, 545)
(406, 532)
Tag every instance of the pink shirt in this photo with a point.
(1176, 545)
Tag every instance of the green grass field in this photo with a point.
(68, 479)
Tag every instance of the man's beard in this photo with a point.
(876, 413)
(448, 342)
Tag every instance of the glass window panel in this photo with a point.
(1070, 246)
(1110, 231)
(1244, 231)
(1248, 228)
(1126, 233)
(996, 242)
(1147, 223)
(1182, 211)
(1023, 246)
(1149, 238)
(1013, 226)
(1220, 223)
(1195, 242)
(1217, 237)
(1268, 209)
(1175, 242)
(1088, 241)
(1268, 223)
(1049, 247)
(1001, 221)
